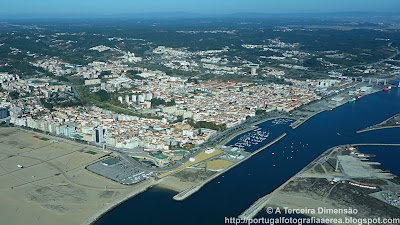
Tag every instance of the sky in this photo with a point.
(17, 8)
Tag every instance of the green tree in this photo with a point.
(46, 104)
(157, 101)
(170, 103)
(260, 111)
(14, 94)
(179, 118)
(103, 95)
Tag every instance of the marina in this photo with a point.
(253, 138)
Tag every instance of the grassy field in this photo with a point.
(216, 164)
(198, 158)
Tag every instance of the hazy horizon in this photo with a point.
(103, 8)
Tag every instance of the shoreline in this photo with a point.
(298, 123)
(101, 212)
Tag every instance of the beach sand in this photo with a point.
(175, 184)
(53, 187)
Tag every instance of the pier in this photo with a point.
(299, 122)
(380, 126)
(255, 208)
(186, 193)
(376, 128)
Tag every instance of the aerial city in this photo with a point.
(199, 113)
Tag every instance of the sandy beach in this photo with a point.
(175, 184)
(53, 187)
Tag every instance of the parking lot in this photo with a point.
(120, 171)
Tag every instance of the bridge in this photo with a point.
(371, 80)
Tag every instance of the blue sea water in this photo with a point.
(234, 191)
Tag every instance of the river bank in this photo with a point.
(322, 106)
(142, 187)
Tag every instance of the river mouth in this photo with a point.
(236, 190)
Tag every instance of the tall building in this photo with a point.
(149, 96)
(100, 135)
(253, 69)
(141, 99)
(134, 98)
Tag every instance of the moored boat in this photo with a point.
(387, 88)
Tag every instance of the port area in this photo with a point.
(392, 122)
(190, 178)
(340, 178)
(329, 103)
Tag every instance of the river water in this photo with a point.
(234, 191)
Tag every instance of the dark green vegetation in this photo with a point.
(91, 152)
(61, 102)
(14, 94)
(71, 40)
(107, 101)
(209, 125)
(159, 101)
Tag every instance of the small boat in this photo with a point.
(387, 88)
